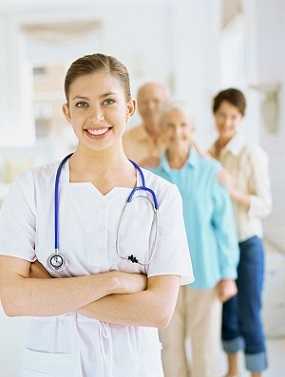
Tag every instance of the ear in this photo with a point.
(131, 107)
(66, 112)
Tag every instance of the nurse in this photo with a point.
(98, 314)
(212, 240)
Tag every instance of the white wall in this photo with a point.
(127, 28)
(271, 63)
(196, 60)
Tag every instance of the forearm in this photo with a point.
(145, 308)
(152, 307)
(138, 309)
(47, 297)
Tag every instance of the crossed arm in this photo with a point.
(26, 289)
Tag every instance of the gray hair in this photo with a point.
(170, 106)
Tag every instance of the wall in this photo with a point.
(196, 59)
(124, 34)
(271, 63)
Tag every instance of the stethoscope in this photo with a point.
(56, 260)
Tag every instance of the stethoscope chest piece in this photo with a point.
(56, 261)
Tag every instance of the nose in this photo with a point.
(227, 122)
(176, 132)
(150, 106)
(97, 114)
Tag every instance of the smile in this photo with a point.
(97, 131)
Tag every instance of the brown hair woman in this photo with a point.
(247, 179)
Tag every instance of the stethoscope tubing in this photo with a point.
(143, 187)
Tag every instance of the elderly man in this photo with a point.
(143, 143)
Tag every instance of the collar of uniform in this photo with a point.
(191, 161)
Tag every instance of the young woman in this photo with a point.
(247, 180)
(212, 240)
(109, 258)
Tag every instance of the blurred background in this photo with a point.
(195, 47)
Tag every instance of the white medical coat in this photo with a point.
(72, 345)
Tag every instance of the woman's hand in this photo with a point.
(226, 289)
(123, 282)
(38, 271)
(128, 282)
(227, 181)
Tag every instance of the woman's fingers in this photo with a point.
(37, 270)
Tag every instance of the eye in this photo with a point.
(109, 101)
(82, 104)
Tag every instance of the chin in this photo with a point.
(99, 146)
(227, 135)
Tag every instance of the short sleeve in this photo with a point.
(17, 220)
(172, 256)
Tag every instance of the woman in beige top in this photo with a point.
(247, 179)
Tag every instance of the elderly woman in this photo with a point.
(212, 240)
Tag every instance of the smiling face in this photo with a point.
(98, 110)
(178, 129)
(228, 119)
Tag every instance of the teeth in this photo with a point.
(97, 131)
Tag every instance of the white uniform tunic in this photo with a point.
(73, 345)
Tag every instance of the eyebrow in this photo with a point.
(102, 96)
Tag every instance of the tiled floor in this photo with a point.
(276, 358)
(274, 312)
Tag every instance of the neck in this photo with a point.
(178, 156)
(221, 143)
(151, 129)
(87, 164)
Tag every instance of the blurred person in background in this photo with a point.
(211, 234)
(247, 179)
(143, 143)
